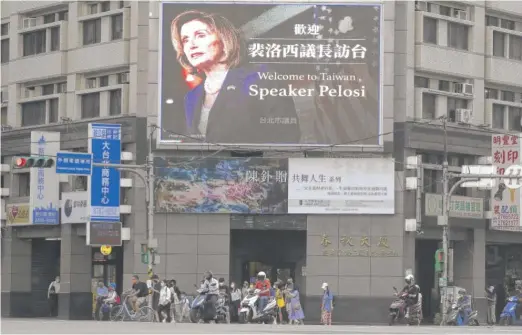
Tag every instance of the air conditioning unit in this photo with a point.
(124, 78)
(92, 83)
(460, 14)
(463, 88)
(421, 6)
(29, 22)
(464, 116)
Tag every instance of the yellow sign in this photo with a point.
(363, 248)
(106, 250)
(17, 214)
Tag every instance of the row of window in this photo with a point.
(458, 34)
(429, 110)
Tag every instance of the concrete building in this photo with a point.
(65, 64)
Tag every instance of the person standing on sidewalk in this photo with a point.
(52, 296)
(491, 297)
(326, 306)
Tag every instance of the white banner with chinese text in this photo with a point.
(505, 202)
(74, 207)
(341, 186)
(44, 197)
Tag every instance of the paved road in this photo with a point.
(46, 326)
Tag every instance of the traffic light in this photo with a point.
(439, 260)
(33, 162)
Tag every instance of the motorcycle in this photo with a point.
(398, 308)
(509, 313)
(457, 315)
(197, 308)
(249, 311)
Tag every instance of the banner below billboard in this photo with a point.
(266, 73)
(221, 185)
(341, 186)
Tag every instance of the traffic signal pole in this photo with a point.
(445, 215)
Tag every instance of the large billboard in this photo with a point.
(341, 186)
(221, 185)
(270, 74)
(506, 202)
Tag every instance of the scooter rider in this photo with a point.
(413, 293)
(211, 286)
(263, 285)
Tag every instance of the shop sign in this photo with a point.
(460, 207)
(358, 247)
(17, 214)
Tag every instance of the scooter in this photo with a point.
(222, 310)
(197, 306)
(508, 316)
(249, 311)
(397, 308)
(457, 317)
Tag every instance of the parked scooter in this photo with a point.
(398, 310)
(249, 311)
(508, 316)
(461, 314)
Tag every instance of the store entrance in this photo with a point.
(45, 266)
(108, 269)
(280, 254)
(425, 276)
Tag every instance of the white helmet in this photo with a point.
(261, 275)
(409, 279)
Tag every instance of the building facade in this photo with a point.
(456, 59)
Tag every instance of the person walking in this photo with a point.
(491, 297)
(52, 296)
(293, 304)
(280, 301)
(326, 306)
(235, 302)
(164, 302)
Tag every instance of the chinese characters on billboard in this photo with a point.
(254, 74)
(505, 201)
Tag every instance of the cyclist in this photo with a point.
(140, 293)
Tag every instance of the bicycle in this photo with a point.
(123, 313)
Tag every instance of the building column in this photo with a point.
(479, 271)
(16, 276)
(75, 298)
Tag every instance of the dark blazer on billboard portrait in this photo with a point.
(238, 117)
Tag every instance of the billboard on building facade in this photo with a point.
(278, 74)
(17, 214)
(74, 207)
(341, 186)
(505, 201)
(221, 185)
(44, 198)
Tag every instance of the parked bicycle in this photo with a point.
(124, 313)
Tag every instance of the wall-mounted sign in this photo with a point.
(74, 207)
(106, 250)
(103, 234)
(358, 247)
(460, 207)
(17, 214)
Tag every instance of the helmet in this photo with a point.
(112, 286)
(261, 275)
(409, 279)
(462, 291)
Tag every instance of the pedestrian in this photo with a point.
(156, 287)
(164, 302)
(102, 292)
(293, 304)
(280, 301)
(491, 297)
(52, 296)
(244, 289)
(235, 302)
(327, 305)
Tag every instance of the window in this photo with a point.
(49, 18)
(453, 105)
(428, 106)
(432, 179)
(55, 39)
(115, 102)
(5, 50)
(498, 116)
(508, 96)
(104, 81)
(24, 182)
(5, 29)
(91, 31)
(422, 82)
(92, 8)
(458, 36)
(444, 85)
(499, 42)
(507, 24)
(492, 21)
(33, 113)
(63, 16)
(53, 110)
(117, 27)
(491, 93)
(514, 118)
(3, 117)
(430, 30)
(34, 43)
(515, 47)
(105, 6)
(444, 10)
(90, 105)
(121, 4)
(48, 89)
(61, 87)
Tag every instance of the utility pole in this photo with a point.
(445, 216)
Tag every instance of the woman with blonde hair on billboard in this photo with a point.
(222, 107)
